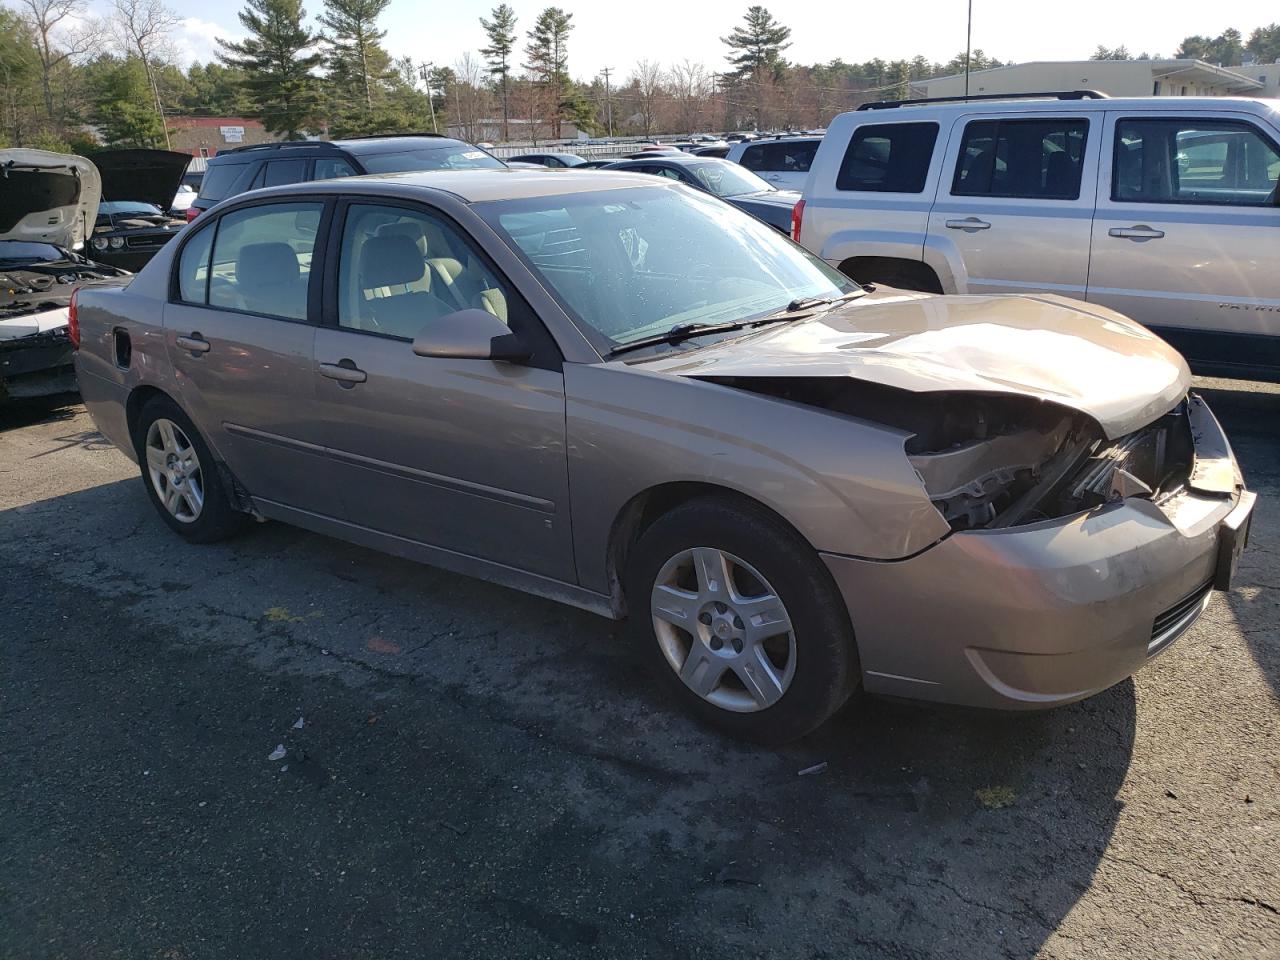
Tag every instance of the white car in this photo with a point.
(182, 199)
(784, 161)
(1163, 208)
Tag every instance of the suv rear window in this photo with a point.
(1029, 159)
(784, 156)
(888, 158)
(219, 179)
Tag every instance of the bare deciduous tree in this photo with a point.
(691, 88)
(142, 29)
(63, 35)
(648, 79)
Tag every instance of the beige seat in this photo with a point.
(395, 263)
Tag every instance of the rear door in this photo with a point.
(1015, 202)
(464, 455)
(239, 331)
(1187, 234)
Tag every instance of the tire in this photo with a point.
(812, 669)
(168, 445)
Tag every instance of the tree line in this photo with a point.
(70, 81)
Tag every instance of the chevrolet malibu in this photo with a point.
(628, 396)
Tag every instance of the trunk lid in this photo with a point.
(47, 197)
(1073, 354)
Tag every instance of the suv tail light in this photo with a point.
(192, 213)
(797, 217)
(73, 321)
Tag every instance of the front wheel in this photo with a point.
(740, 621)
(180, 475)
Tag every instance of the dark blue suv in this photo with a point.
(241, 169)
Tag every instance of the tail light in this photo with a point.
(192, 213)
(797, 217)
(73, 321)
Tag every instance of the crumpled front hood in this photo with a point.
(47, 197)
(1074, 354)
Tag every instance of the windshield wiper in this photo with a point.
(809, 303)
(678, 333)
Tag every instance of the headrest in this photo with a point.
(406, 228)
(388, 261)
(260, 264)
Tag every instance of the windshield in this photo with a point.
(632, 263)
(24, 251)
(462, 157)
(728, 179)
(116, 207)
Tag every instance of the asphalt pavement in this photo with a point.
(284, 746)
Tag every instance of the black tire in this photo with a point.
(826, 672)
(218, 519)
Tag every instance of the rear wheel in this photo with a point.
(180, 475)
(739, 620)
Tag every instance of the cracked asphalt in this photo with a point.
(480, 773)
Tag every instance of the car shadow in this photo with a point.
(896, 829)
(15, 414)
(1250, 415)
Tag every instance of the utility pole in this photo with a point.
(608, 100)
(424, 72)
(968, 48)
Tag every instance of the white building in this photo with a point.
(1118, 78)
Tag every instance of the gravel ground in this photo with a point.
(479, 773)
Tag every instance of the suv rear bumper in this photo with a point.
(1049, 613)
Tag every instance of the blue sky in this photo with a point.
(617, 35)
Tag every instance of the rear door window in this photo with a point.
(327, 168)
(193, 267)
(753, 157)
(280, 172)
(262, 259)
(1028, 159)
(888, 158)
(1223, 162)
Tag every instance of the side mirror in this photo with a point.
(470, 335)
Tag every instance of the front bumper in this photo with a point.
(37, 366)
(1051, 612)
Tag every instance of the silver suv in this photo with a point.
(1164, 208)
(783, 161)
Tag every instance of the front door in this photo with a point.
(464, 455)
(1187, 234)
(240, 335)
(1015, 204)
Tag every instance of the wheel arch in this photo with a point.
(644, 508)
(138, 398)
(873, 269)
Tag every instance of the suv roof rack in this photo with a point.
(278, 145)
(1043, 95)
(390, 136)
(322, 144)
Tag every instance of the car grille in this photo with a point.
(149, 242)
(1171, 623)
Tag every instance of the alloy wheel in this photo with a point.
(174, 469)
(723, 629)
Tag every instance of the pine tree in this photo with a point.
(277, 58)
(501, 31)
(548, 59)
(756, 52)
(359, 68)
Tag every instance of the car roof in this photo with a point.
(354, 145)
(471, 186)
(1018, 104)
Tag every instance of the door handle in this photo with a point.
(968, 223)
(1140, 232)
(344, 371)
(195, 343)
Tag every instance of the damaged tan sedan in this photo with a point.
(633, 398)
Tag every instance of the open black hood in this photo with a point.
(151, 176)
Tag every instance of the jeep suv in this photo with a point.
(783, 161)
(240, 169)
(1164, 208)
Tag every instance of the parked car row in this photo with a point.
(623, 393)
(617, 389)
